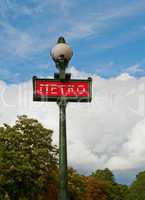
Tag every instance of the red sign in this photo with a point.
(52, 89)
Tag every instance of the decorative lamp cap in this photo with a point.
(61, 40)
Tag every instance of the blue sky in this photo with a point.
(107, 37)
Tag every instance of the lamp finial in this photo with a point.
(61, 40)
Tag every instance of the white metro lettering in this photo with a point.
(81, 89)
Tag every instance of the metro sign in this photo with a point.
(53, 89)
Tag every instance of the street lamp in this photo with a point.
(61, 54)
(62, 90)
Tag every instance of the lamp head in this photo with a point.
(61, 52)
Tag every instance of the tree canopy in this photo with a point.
(137, 189)
(105, 174)
(27, 159)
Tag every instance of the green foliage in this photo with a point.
(76, 185)
(27, 159)
(113, 190)
(95, 189)
(116, 191)
(105, 174)
(137, 189)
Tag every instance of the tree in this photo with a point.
(105, 174)
(113, 190)
(137, 189)
(76, 185)
(116, 191)
(102, 187)
(95, 189)
(27, 159)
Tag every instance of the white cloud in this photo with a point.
(134, 69)
(131, 154)
(124, 76)
(80, 30)
(109, 132)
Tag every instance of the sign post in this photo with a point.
(62, 90)
(62, 151)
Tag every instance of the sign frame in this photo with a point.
(65, 98)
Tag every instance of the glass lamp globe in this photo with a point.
(61, 51)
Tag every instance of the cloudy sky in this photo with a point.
(108, 40)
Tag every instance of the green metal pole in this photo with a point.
(62, 151)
